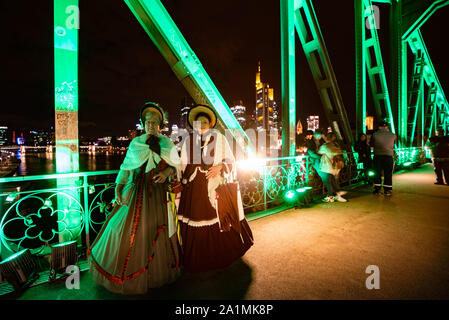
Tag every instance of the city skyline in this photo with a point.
(120, 68)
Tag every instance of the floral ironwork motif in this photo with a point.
(33, 222)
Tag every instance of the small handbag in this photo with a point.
(175, 187)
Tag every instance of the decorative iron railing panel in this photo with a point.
(31, 218)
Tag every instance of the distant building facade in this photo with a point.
(313, 122)
(239, 111)
(4, 139)
(267, 114)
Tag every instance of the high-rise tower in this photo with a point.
(266, 109)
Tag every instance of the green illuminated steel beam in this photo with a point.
(439, 101)
(360, 66)
(398, 72)
(66, 25)
(162, 30)
(312, 41)
(415, 105)
(288, 78)
(430, 112)
(416, 13)
(373, 61)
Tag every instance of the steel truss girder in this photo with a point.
(374, 65)
(438, 104)
(315, 50)
(288, 78)
(164, 33)
(415, 13)
(415, 101)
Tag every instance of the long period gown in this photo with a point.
(137, 248)
(205, 247)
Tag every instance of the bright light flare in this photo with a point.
(252, 164)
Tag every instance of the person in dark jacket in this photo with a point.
(383, 142)
(363, 149)
(314, 140)
(439, 149)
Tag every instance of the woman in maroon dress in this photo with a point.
(206, 158)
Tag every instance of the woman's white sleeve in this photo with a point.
(124, 177)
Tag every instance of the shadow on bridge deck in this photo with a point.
(322, 252)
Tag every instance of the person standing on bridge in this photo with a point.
(439, 149)
(314, 140)
(137, 247)
(330, 165)
(363, 149)
(383, 142)
(210, 240)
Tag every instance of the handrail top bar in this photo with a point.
(58, 176)
(97, 173)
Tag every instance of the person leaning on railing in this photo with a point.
(330, 165)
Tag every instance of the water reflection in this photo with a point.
(37, 163)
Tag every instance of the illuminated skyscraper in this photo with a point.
(3, 136)
(239, 111)
(267, 115)
(313, 122)
(186, 105)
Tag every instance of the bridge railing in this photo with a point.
(30, 217)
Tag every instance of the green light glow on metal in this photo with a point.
(156, 21)
(371, 173)
(66, 25)
(360, 66)
(63, 244)
(289, 194)
(429, 9)
(66, 57)
(288, 78)
(439, 115)
(374, 67)
(303, 189)
(58, 176)
(408, 164)
(12, 257)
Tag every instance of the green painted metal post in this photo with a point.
(396, 64)
(360, 68)
(402, 111)
(86, 210)
(288, 81)
(66, 25)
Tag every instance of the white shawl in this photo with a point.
(139, 152)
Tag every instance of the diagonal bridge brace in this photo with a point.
(164, 33)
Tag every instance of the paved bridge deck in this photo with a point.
(322, 252)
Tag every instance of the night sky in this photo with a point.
(120, 68)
